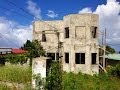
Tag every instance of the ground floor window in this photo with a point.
(93, 57)
(52, 56)
(80, 58)
(66, 57)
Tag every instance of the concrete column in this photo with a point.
(38, 69)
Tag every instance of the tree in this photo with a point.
(110, 49)
(34, 49)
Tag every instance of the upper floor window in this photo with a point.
(67, 32)
(43, 36)
(94, 32)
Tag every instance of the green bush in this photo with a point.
(115, 71)
(15, 59)
(54, 77)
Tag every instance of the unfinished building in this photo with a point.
(78, 39)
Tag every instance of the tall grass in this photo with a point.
(86, 82)
(15, 73)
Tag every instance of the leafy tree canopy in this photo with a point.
(110, 49)
(34, 48)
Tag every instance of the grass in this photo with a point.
(15, 73)
(70, 81)
(86, 82)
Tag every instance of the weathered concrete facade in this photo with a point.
(79, 35)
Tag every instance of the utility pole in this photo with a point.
(59, 49)
(58, 37)
(104, 48)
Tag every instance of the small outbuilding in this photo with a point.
(112, 59)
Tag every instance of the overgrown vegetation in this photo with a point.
(86, 82)
(114, 71)
(40, 82)
(71, 81)
(54, 77)
(15, 59)
(61, 81)
(15, 73)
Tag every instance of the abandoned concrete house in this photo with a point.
(77, 35)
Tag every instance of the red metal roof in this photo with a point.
(18, 51)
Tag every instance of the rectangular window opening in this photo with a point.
(66, 57)
(67, 32)
(93, 57)
(80, 58)
(43, 36)
(94, 32)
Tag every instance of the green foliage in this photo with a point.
(115, 71)
(110, 49)
(34, 49)
(15, 59)
(54, 78)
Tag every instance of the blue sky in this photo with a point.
(62, 7)
(16, 25)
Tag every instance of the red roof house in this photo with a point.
(18, 51)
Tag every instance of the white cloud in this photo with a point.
(85, 10)
(13, 34)
(34, 9)
(109, 18)
(52, 14)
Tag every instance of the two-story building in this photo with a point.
(78, 34)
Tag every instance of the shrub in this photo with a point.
(54, 77)
(115, 71)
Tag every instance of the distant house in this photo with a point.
(4, 51)
(18, 51)
(112, 59)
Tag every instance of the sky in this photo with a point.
(17, 16)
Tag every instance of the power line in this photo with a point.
(8, 40)
(31, 14)
(3, 8)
